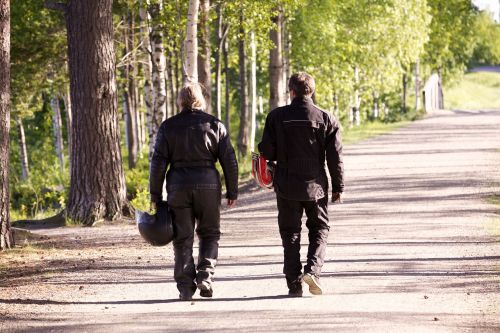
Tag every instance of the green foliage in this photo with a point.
(487, 37)
(451, 39)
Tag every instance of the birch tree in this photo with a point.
(191, 43)
(57, 129)
(23, 151)
(204, 55)
(158, 61)
(276, 69)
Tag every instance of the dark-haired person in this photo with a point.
(191, 142)
(300, 137)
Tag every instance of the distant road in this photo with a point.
(495, 69)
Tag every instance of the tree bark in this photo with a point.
(285, 37)
(57, 129)
(276, 84)
(69, 121)
(222, 31)
(191, 42)
(253, 89)
(417, 85)
(405, 92)
(205, 54)
(243, 133)
(159, 106)
(130, 100)
(23, 151)
(6, 239)
(225, 53)
(97, 187)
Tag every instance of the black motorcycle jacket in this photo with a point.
(191, 142)
(300, 137)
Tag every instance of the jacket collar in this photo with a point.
(304, 100)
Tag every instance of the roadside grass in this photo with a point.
(476, 91)
(368, 130)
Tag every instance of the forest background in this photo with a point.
(370, 59)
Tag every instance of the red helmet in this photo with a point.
(262, 171)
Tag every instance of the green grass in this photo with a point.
(475, 91)
(368, 130)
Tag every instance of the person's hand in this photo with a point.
(231, 203)
(337, 197)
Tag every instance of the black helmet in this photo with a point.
(156, 229)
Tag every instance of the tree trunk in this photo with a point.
(97, 188)
(417, 85)
(276, 84)
(253, 89)
(405, 92)
(191, 42)
(357, 99)
(23, 151)
(222, 30)
(159, 106)
(172, 84)
(130, 100)
(148, 89)
(243, 133)
(6, 239)
(225, 53)
(285, 38)
(205, 54)
(69, 121)
(57, 129)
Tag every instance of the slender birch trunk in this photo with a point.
(57, 129)
(357, 99)
(205, 53)
(222, 31)
(253, 89)
(69, 121)
(417, 85)
(145, 119)
(243, 131)
(22, 149)
(191, 42)
(405, 92)
(285, 37)
(159, 107)
(276, 84)
(225, 52)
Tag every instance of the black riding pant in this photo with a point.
(290, 224)
(190, 208)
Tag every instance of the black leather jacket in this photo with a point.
(300, 136)
(191, 142)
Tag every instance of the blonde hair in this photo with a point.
(191, 97)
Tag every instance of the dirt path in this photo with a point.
(412, 249)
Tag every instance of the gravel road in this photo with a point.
(414, 248)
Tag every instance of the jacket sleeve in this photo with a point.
(158, 167)
(267, 146)
(228, 162)
(334, 159)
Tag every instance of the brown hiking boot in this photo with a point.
(313, 283)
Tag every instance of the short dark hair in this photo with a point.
(302, 84)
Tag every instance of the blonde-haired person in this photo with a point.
(190, 143)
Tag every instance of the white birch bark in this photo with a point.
(253, 88)
(57, 128)
(22, 149)
(276, 84)
(191, 42)
(417, 85)
(158, 61)
(69, 120)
